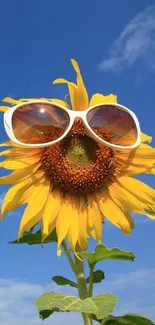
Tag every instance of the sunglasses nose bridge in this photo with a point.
(77, 115)
(80, 115)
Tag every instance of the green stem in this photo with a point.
(78, 268)
(71, 262)
(90, 289)
(82, 288)
(87, 319)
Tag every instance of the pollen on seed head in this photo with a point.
(78, 164)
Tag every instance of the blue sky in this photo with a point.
(114, 43)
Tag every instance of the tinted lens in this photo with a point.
(38, 123)
(118, 123)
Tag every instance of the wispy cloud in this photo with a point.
(17, 304)
(136, 291)
(140, 278)
(136, 42)
(17, 298)
(135, 307)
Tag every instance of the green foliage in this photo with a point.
(100, 305)
(31, 238)
(128, 319)
(102, 252)
(61, 281)
(98, 276)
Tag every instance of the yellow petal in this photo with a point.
(82, 92)
(12, 101)
(40, 191)
(18, 194)
(73, 91)
(126, 201)
(150, 216)
(20, 174)
(60, 102)
(29, 219)
(27, 196)
(136, 170)
(90, 223)
(130, 220)
(64, 220)
(99, 99)
(126, 139)
(151, 171)
(27, 99)
(136, 161)
(19, 152)
(54, 100)
(4, 108)
(50, 213)
(34, 210)
(113, 212)
(73, 232)
(78, 93)
(31, 99)
(145, 138)
(13, 196)
(10, 144)
(141, 192)
(95, 214)
(13, 163)
(83, 217)
(6, 144)
(144, 146)
(52, 226)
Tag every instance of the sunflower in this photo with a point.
(76, 183)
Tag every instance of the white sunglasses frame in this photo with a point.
(72, 116)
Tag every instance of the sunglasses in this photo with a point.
(33, 124)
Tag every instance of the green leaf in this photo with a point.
(98, 276)
(35, 238)
(61, 281)
(100, 305)
(128, 319)
(46, 313)
(102, 252)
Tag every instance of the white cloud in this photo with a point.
(134, 305)
(17, 304)
(139, 278)
(136, 292)
(136, 42)
(17, 298)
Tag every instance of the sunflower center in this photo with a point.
(79, 150)
(78, 164)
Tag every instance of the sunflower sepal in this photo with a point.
(102, 252)
(99, 305)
